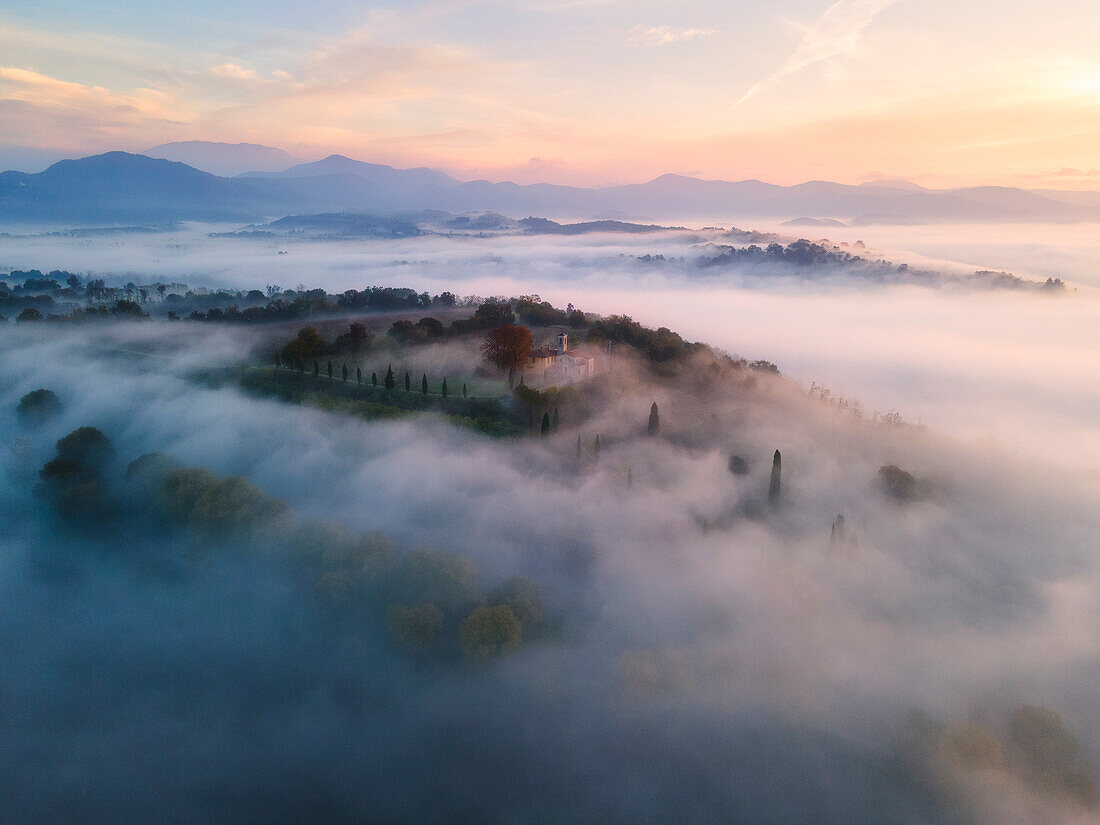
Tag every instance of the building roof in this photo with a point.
(544, 352)
(576, 353)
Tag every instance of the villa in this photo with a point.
(560, 361)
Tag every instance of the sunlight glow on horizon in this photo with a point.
(583, 92)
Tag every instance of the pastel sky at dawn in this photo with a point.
(943, 92)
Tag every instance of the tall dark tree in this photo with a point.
(390, 382)
(545, 424)
(424, 384)
(777, 469)
(654, 425)
(358, 375)
(344, 373)
(374, 379)
(443, 390)
(596, 448)
(578, 445)
(330, 369)
(316, 369)
(408, 382)
(464, 394)
(554, 423)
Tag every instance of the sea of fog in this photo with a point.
(718, 658)
(1019, 368)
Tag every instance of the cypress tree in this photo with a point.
(596, 448)
(330, 369)
(554, 423)
(444, 389)
(389, 382)
(424, 384)
(408, 384)
(463, 389)
(316, 369)
(344, 373)
(545, 424)
(777, 468)
(578, 446)
(654, 421)
(374, 379)
(358, 375)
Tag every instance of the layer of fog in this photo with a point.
(1019, 367)
(746, 672)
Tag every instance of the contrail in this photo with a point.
(835, 32)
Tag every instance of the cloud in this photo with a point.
(663, 35)
(232, 71)
(835, 33)
(45, 111)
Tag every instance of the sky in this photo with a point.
(584, 92)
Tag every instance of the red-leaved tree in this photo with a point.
(508, 346)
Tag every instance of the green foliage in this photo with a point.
(86, 446)
(654, 425)
(445, 579)
(764, 366)
(38, 406)
(522, 597)
(390, 382)
(897, 483)
(424, 384)
(215, 508)
(408, 384)
(415, 629)
(72, 481)
(423, 331)
(29, 314)
(307, 344)
(657, 345)
(443, 389)
(545, 428)
(349, 566)
(489, 632)
(374, 379)
(151, 468)
(1050, 754)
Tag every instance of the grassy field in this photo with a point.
(484, 413)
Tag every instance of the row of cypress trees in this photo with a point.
(389, 382)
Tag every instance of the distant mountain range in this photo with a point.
(225, 159)
(123, 187)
